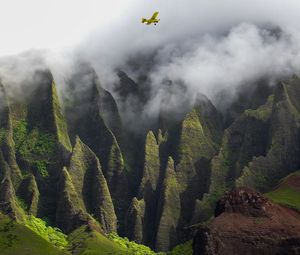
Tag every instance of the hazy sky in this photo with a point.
(55, 24)
(52, 24)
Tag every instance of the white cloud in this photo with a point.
(215, 64)
(51, 24)
(56, 24)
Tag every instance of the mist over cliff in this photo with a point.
(200, 47)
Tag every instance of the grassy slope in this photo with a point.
(287, 193)
(97, 244)
(16, 239)
(82, 242)
(92, 243)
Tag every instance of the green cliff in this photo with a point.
(168, 210)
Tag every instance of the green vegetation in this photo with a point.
(28, 194)
(151, 164)
(286, 196)
(291, 92)
(115, 162)
(20, 132)
(3, 134)
(34, 130)
(263, 112)
(194, 142)
(131, 248)
(37, 143)
(169, 205)
(16, 239)
(220, 168)
(82, 242)
(86, 175)
(60, 123)
(34, 146)
(182, 249)
(52, 235)
(22, 204)
(253, 175)
(231, 166)
(287, 192)
(36, 238)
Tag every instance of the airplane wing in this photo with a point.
(154, 15)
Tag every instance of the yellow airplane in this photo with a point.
(153, 19)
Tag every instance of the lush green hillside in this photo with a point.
(185, 248)
(288, 191)
(17, 239)
(36, 238)
(84, 242)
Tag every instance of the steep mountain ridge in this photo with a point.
(259, 148)
(81, 166)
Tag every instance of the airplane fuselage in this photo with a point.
(152, 20)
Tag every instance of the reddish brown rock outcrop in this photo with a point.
(248, 223)
(244, 201)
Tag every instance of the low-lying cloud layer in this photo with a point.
(207, 45)
(246, 55)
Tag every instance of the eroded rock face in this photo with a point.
(168, 210)
(244, 201)
(84, 192)
(248, 223)
(259, 148)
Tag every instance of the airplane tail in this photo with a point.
(144, 20)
